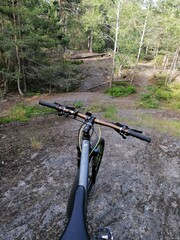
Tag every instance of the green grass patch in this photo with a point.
(120, 90)
(175, 101)
(72, 62)
(110, 112)
(172, 127)
(149, 101)
(169, 126)
(107, 111)
(161, 96)
(78, 104)
(96, 108)
(22, 113)
(163, 125)
(36, 143)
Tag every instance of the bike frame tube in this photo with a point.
(84, 164)
(76, 227)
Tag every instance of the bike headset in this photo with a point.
(80, 133)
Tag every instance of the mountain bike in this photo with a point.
(89, 157)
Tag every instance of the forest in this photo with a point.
(116, 59)
(38, 36)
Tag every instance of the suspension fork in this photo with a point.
(84, 162)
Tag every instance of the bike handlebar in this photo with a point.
(123, 130)
(48, 104)
(139, 135)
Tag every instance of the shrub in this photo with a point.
(159, 79)
(149, 101)
(119, 91)
(158, 60)
(36, 143)
(167, 95)
(163, 94)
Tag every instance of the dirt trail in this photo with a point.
(137, 192)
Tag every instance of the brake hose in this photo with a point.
(79, 138)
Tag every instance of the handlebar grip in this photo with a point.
(139, 135)
(48, 104)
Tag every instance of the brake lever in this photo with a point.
(125, 127)
(135, 130)
(60, 114)
(57, 104)
(122, 135)
(122, 130)
(63, 114)
(66, 115)
(70, 108)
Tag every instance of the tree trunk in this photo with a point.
(165, 61)
(141, 43)
(22, 60)
(90, 42)
(51, 63)
(5, 90)
(7, 62)
(17, 50)
(60, 9)
(147, 49)
(115, 44)
(142, 37)
(173, 65)
(156, 53)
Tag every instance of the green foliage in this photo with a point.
(22, 113)
(124, 61)
(110, 112)
(159, 80)
(161, 94)
(32, 30)
(72, 62)
(158, 60)
(36, 143)
(149, 101)
(97, 107)
(162, 125)
(78, 104)
(29, 29)
(175, 101)
(120, 91)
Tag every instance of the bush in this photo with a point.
(119, 91)
(158, 60)
(149, 101)
(161, 93)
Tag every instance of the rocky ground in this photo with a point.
(138, 188)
